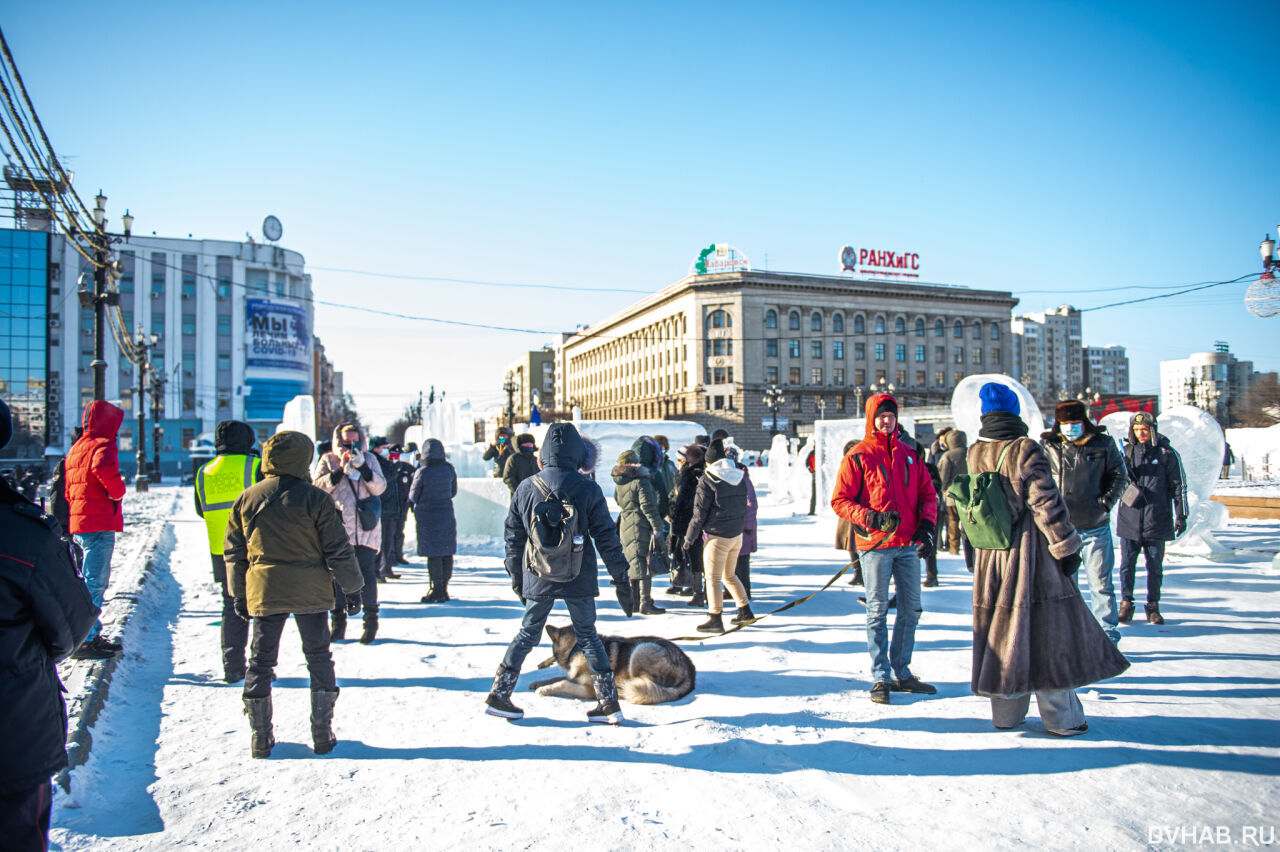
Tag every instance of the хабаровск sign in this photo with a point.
(278, 336)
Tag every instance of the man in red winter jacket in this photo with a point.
(885, 492)
(94, 491)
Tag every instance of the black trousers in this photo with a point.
(1154, 553)
(368, 559)
(24, 819)
(398, 551)
(743, 572)
(235, 630)
(440, 569)
(387, 553)
(313, 627)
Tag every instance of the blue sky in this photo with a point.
(1061, 147)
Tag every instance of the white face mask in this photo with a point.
(1073, 431)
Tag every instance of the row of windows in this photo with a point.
(860, 351)
(879, 324)
(795, 377)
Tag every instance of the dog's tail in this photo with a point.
(642, 690)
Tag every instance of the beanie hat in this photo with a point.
(715, 451)
(887, 404)
(375, 443)
(1071, 409)
(6, 425)
(998, 397)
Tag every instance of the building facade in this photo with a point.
(534, 380)
(1048, 354)
(24, 331)
(707, 347)
(1106, 370)
(234, 323)
(1215, 381)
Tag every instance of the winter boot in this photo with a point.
(1126, 611)
(370, 625)
(607, 710)
(499, 700)
(1153, 614)
(446, 572)
(744, 615)
(262, 738)
(713, 624)
(433, 590)
(700, 592)
(338, 626)
(322, 737)
(647, 606)
(389, 574)
(856, 579)
(930, 576)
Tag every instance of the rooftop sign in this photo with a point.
(879, 263)
(719, 257)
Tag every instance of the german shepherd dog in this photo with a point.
(646, 669)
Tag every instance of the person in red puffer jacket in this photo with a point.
(884, 491)
(94, 491)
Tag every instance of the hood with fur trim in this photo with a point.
(726, 471)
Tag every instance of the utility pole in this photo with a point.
(140, 482)
(157, 411)
(100, 296)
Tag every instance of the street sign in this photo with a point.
(767, 423)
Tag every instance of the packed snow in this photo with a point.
(778, 746)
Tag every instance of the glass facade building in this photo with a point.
(24, 334)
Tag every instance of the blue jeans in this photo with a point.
(1098, 559)
(97, 547)
(582, 614)
(903, 565)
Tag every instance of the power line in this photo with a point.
(442, 279)
(1171, 295)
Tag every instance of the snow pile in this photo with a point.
(1257, 452)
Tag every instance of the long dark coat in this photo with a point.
(1031, 628)
(638, 512)
(434, 486)
(1155, 473)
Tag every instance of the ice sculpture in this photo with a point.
(966, 408)
(1199, 441)
(779, 470)
(830, 437)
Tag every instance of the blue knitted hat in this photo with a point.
(998, 397)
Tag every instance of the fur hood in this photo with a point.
(726, 471)
(628, 467)
(361, 444)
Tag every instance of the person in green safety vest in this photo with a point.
(218, 484)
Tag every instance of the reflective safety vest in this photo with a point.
(218, 484)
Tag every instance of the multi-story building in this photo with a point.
(533, 377)
(233, 321)
(328, 391)
(707, 347)
(1215, 381)
(1106, 370)
(1048, 355)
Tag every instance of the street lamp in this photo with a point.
(857, 394)
(509, 388)
(100, 298)
(822, 407)
(144, 343)
(773, 400)
(1263, 296)
(1090, 398)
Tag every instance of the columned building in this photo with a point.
(707, 347)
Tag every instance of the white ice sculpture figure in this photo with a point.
(779, 470)
(615, 436)
(299, 416)
(830, 437)
(966, 407)
(1199, 441)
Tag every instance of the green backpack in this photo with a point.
(983, 507)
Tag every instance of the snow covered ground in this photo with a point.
(779, 746)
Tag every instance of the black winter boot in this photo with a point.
(499, 700)
(930, 576)
(607, 710)
(713, 624)
(370, 625)
(647, 606)
(338, 626)
(433, 591)
(322, 737)
(446, 572)
(700, 592)
(744, 615)
(262, 738)
(856, 579)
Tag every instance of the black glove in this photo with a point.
(884, 521)
(926, 546)
(519, 593)
(1071, 564)
(623, 592)
(1179, 526)
(241, 607)
(353, 603)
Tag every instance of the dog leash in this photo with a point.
(786, 606)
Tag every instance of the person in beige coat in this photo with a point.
(1032, 632)
(354, 478)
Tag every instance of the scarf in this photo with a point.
(1002, 426)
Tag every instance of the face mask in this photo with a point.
(1073, 431)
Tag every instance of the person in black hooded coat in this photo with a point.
(687, 576)
(431, 495)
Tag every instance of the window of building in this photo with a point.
(771, 348)
(977, 355)
(919, 378)
(977, 330)
(956, 377)
(900, 352)
(995, 357)
(126, 275)
(939, 353)
(879, 351)
(770, 318)
(919, 327)
(957, 329)
(880, 377)
(224, 324)
(793, 348)
(939, 329)
(771, 375)
(188, 404)
(860, 351)
(718, 346)
(837, 350)
(940, 379)
(718, 403)
(837, 323)
(815, 376)
(718, 376)
(920, 353)
(719, 319)
(995, 331)
(189, 363)
(837, 375)
(899, 326)
(859, 324)
(860, 377)
(222, 268)
(815, 348)
(957, 355)
(793, 375)
(793, 320)
(900, 378)
(188, 276)
(879, 325)
(188, 323)
(158, 267)
(815, 321)
(797, 403)
(224, 362)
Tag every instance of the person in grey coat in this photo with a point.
(954, 445)
(435, 484)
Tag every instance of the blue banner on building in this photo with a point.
(278, 335)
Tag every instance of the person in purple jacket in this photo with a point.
(743, 569)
